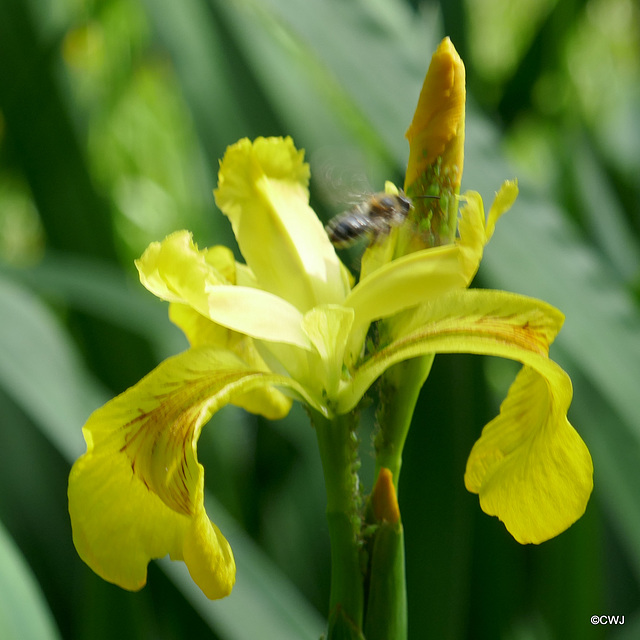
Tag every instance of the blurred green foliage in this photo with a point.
(113, 115)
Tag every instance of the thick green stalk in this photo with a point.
(386, 613)
(386, 616)
(338, 445)
(399, 389)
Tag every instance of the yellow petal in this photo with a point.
(505, 197)
(200, 553)
(328, 328)
(406, 282)
(202, 332)
(475, 232)
(421, 276)
(258, 314)
(471, 228)
(401, 284)
(464, 321)
(119, 526)
(263, 190)
(382, 251)
(530, 467)
(137, 493)
(175, 270)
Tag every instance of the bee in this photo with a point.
(372, 218)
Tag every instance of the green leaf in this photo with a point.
(24, 614)
(43, 138)
(41, 370)
(386, 615)
(263, 603)
(102, 291)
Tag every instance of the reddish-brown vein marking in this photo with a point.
(179, 419)
(523, 336)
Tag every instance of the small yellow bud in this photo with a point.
(385, 501)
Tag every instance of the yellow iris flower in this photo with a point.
(288, 324)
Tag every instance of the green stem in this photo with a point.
(399, 389)
(386, 614)
(338, 445)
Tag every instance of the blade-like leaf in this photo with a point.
(278, 611)
(24, 614)
(101, 291)
(41, 370)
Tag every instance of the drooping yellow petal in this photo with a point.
(530, 467)
(137, 493)
(263, 190)
(119, 525)
(463, 321)
(202, 332)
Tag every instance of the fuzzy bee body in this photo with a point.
(372, 218)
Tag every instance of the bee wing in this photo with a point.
(338, 176)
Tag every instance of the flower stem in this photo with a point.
(386, 614)
(338, 445)
(399, 389)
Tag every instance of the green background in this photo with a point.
(113, 115)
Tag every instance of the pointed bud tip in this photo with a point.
(385, 501)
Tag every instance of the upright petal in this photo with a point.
(476, 231)
(137, 493)
(256, 313)
(401, 284)
(421, 276)
(262, 189)
(328, 328)
(505, 197)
